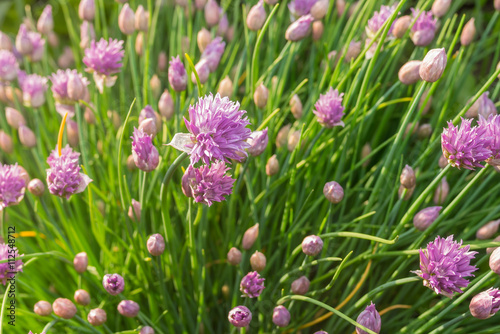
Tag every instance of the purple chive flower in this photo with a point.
(209, 183)
(12, 185)
(8, 66)
(64, 96)
(9, 269)
(485, 304)
(378, 20)
(492, 126)
(465, 146)
(63, 177)
(424, 29)
(113, 284)
(258, 142)
(329, 109)
(217, 131)
(369, 318)
(252, 285)
(301, 7)
(103, 59)
(177, 76)
(213, 53)
(34, 88)
(145, 154)
(240, 316)
(444, 264)
(38, 44)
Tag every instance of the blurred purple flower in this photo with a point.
(213, 53)
(492, 126)
(34, 88)
(103, 59)
(378, 20)
(8, 66)
(301, 7)
(424, 29)
(12, 185)
(145, 154)
(329, 109)
(252, 285)
(9, 269)
(177, 76)
(38, 46)
(60, 80)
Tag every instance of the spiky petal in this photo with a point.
(329, 109)
(252, 285)
(12, 185)
(145, 154)
(378, 20)
(103, 59)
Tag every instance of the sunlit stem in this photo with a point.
(61, 131)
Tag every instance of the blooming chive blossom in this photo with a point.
(34, 88)
(217, 131)
(209, 183)
(492, 126)
(64, 101)
(8, 269)
(213, 53)
(444, 264)
(8, 66)
(424, 28)
(103, 59)
(465, 146)
(252, 285)
(63, 177)
(329, 109)
(378, 20)
(12, 185)
(177, 76)
(301, 7)
(145, 154)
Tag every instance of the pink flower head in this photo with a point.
(145, 154)
(444, 264)
(329, 109)
(424, 29)
(60, 79)
(465, 146)
(301, 7)
(177, 76)
(9, 269)
(378, 20)
(104, 59)
(12, 186)
(492, 126)
(209, 183)
(252, 285)
(63, 177)
(8, 66)
(34, 88)
(213, 53)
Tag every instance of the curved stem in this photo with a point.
(120, 181)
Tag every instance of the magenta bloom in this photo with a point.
(378, 20)
(65, 97)
(209, 183)
(145, 154)
(240, 316)
(177, 76)
(252, 285)
(34, 88)
(103, 59)
(329, 109)
(424, 29)
(114, 284)
(492, 126)
(8, 66)
(465, 146)
(63, 177)
(12, 185)
(9, 269)
(213, 53)
(301, 7)
(444, 264)
(370, 318)
(217, 131)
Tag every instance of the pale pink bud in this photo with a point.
(14, 118)
(468, 33)
(43, 308)
(156, 245)
(300, 286)
(5, 142)
(234, 256)
(97, 317)
(282, 136)
(26, 136)
(212, 13)
(333, 192)
(408, 192)
(72, 132)
(256, 16)
(250, 236)
(147, 329)
(45, 23)
(87, 34)
(203, 39)
(53, 39)
(424, 218)
(5, 42)
(441, 192)
(128, 308)
(296, 106)
(433, 65)
(353, 51)
(260, 96)
(225, 87)
(230, 33)
(202, 69)
(24, 174)
(89, 116)
(64, 308)
(299, 29)
(23, 43)
(76, 87)
(317, 30)
(80, 262)
(272, 166)
(258, 261)
(115, 118)
(126, 20)
(489, 250)
(130, 163)
(293, 140)
(401, 26)
(496, 4)
(36, 187)
(312, 245)
(352, 8)
(149, 126)
(134, 211)
(407, 177)
(86, 10)
(82, 297)
(424, 131)
(443, 162)
(162, 61)
(141, 19)
(155, 86)
(319, 9)
(495, 261)
(488, 230)
(281, 316)
(166, 105)
(139, 44)
(409, 72)
(440, 7)
(340, 5)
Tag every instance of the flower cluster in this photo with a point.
(329, 109)
(9, 269)
(252, 285)
(378, 20)
(12, 185)
(103, 59)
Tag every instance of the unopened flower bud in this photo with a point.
(293, 140)
(26, 136)
(443, 162)
(353, 51)
(162, 61)
(200, 4)
(72, 132)
(240, 316)
(23, 43)
(139, 44)
(115, 118)
(234, 256)
(260, 96)
(156, 244)
(312, 245)
(134, 211)
(485, 304)
(166, 105)
(64, 308)
(319, 9)
(256, 16)
(128, 308)
(272, 166)
(43, 308)
(433, 65)
(407, 177)
(86, 10)
(5, 42)
(424, 218)
(468, 33)
(80, 262)
(82, 297)
(202, 69)
(141, 19)
(147, 330)
(333, 192)
(299, 29)
(488, 230)
(250, 236)
(203, 39)
(496, 4)
(258, 142)
(45, 23)
(300, 286)
(230, 33)
(409, 72)
(317, 30)
(424, 131)
(440, 7)
(441, 192)
(130, 163)
(495, 261)
(490, 250)
(5, 142)
(370, 319)
(401, 26)
(89, 116)
(14, 118)
(126, 20)
(149, 126)
(76, 87)
(113, 284)
(97, 317)
(281, 316)
(296, 106)
(282, 136)
(212, 13)
(258, 261)
(155, 85)
(36, 187)
(225, 87)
